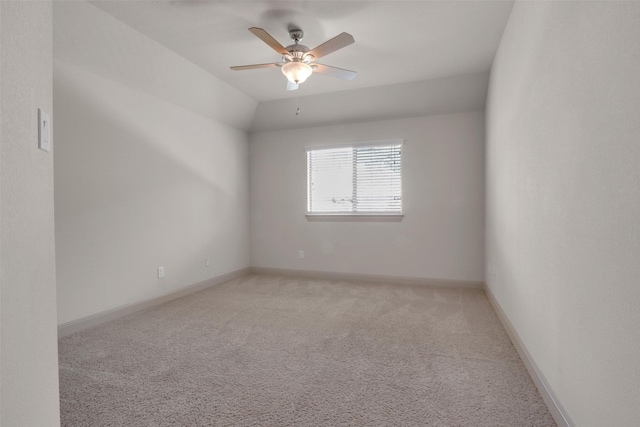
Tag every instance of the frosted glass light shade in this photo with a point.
(296, 72)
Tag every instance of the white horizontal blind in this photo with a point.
(356, 179)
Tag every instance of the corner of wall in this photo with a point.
(29, 393)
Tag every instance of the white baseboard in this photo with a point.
(73, 326)
(436, 283)
(560, 415)
(68, 328)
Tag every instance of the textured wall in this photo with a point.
(141, 180)
(563, 231)
(441, 236)
(29, 357)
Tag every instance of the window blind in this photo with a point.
(355, 179)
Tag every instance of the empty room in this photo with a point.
(319, 213)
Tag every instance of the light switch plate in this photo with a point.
(44, 131)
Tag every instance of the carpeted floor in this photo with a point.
(281, 351)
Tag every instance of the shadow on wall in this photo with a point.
(140, 183)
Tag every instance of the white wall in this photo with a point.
(563, 230)
(28, 339)
(89, 38)
(441, 236)
(456, 94)
(143, 178)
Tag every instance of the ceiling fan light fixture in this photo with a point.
(297, 72)
(298, 62)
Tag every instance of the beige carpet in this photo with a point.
(280, 351)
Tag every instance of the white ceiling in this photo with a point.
(395, 41)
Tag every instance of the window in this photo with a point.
(358, 179)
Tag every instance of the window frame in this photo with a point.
(355, 216)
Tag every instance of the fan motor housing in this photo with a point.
(298, 52)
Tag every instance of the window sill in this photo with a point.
(341, 217)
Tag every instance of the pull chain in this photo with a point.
(297, 107)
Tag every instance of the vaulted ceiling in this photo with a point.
(396, 42)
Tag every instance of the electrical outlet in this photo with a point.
(207, 261)
(300, 254)
(160, 272)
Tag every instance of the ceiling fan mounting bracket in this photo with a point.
(296, 34)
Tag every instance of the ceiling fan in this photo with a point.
(298, 61)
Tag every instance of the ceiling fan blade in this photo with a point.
(338, 42)
(340, 73)
(266, 37)
(254, 66)
(291, 85)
